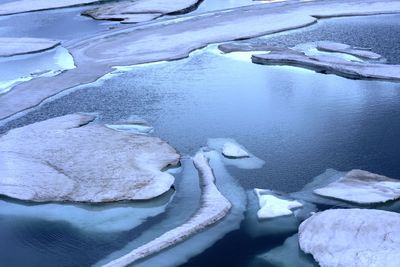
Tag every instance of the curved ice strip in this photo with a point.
(184, 204)
(214, 206)
(17, 69)
(251, 162)
(201, 241)
(91, 218)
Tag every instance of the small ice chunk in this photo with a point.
(272, 206)
(232, 150)
(248, 162)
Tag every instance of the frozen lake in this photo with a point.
(298, 121)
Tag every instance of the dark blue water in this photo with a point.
(298, 121)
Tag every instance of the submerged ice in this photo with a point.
(22, 68)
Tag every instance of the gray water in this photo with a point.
(298, 121)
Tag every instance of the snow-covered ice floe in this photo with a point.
(71, 158)
(352, 238)
(362, 187)
(235, 154)
(351, 189)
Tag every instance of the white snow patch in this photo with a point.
(233, 150)
(272, 206)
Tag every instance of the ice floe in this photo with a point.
(352, 237)
(331, 63)
(232, 148)
(362, 187)
(139, 10)
(272, 206)
(68, 159)
(282, 225)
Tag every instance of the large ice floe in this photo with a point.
(140, 10)
(69, 158)
(21, 6)
(352, 238)
(362, 187)
(213, 207)
(19, 46)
